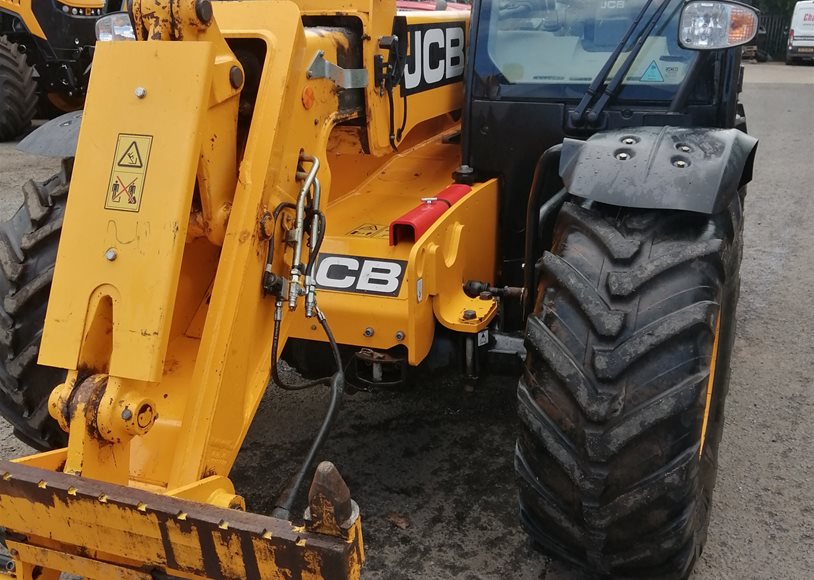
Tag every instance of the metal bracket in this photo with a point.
(344, 78)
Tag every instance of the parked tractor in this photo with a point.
(554, 184)
(46, 48)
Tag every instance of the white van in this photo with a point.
(801, 33)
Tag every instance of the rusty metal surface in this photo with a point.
(163, 533)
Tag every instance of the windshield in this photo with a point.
(560, 46)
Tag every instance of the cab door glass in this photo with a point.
(565, 43)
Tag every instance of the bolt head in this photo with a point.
(236, 77)
(629, 141)
(368, 331)
(470, 315)
(622, 156)
(680, 163)
(111, 254)
(203, 10)
(127, 414)
(140, 92)
(400, 335)
(146, 416)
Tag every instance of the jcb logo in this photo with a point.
(357, 274)
(436, 56)
(611, 4)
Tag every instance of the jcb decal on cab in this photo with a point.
(358, 274)
(435, 58)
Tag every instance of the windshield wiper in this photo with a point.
(613, 86)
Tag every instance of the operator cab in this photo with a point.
(532, 62)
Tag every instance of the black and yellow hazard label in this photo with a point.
(377, 231)
(129, 171)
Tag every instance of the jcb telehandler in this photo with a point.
(361, 181)
(46, 49)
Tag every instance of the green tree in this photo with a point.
(784, 7)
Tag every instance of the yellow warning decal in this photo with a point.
(129, 171)
(377, 231)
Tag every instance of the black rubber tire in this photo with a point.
(18, 92)
(28, 251)
(613, 396)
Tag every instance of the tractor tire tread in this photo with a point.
(28, 246)
(612, 400)
(18, 91)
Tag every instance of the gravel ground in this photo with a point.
(431, 467)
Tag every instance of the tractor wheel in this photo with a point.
(18, 91)
(621, 402)
(52, 105)
(28, 252)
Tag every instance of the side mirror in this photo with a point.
(716, 24)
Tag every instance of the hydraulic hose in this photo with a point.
(285, 502)
(540, 193)
(275, 375)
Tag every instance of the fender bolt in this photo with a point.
(368, 331)
(127, 414)
(141, 92)
(111, 254)
(400, 335)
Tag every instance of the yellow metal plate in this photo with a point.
(138, 153)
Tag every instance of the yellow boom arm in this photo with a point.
(157, 310)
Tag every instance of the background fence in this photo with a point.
(773, 44)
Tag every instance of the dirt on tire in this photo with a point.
(28, 249)
(18, 91)
(621, 402)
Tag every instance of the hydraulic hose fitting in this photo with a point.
(298, 233)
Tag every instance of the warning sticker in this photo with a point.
(671, 73)
(126, 184)
(652, 74)
(376, 231)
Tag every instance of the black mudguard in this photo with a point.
(691, 169)
(56, 138)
